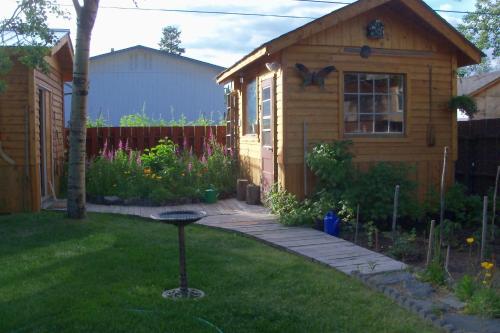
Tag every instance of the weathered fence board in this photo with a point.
(140, 138)
(478, 154)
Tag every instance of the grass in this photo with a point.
(106, 274)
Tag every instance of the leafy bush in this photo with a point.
(465, 103)
(405, 247)
(465, 288)
(221, 169)
(451, 232)
(484, 302)
(332, 164)
(435, 273)
(374, 191)
(286, 206)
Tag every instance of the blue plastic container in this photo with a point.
(331, 224)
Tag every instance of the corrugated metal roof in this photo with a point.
(9, 38)
(162, 53)
(469, 85)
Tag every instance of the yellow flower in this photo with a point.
(487, 265)
(470, 240)
(158, 177)
(147, 171)
(488, 274)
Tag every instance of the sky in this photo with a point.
(217, 39)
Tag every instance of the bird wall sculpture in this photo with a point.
(313, 78)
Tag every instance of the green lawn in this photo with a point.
(106, 274)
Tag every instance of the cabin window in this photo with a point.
(374, 103)
(251, 108)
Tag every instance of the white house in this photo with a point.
(163, 85)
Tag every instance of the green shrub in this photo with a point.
(405, 246)
(435, 273)
(484, 302)
(374, 191)
(465, 103)
(332, 164)
(288, 209)
(221, 169)
(451, 232)
(465, 288)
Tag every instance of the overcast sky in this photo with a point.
(218, 39)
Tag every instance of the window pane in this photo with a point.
(351, 113)
(381, 124)
(351, 83)
(266, 138)
(366, 104)
(251, 108)
(381, 83)
(366, 123)
(396, 84)
(365, 83)
(381, 103)
(266, 123)
(266, 108)
(396, 122)
(266, 93)
(397, 103)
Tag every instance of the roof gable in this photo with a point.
(476, 84)
(159, 52)
(469, 54)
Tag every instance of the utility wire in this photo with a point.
(194, 11)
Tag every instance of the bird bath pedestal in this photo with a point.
(181, 219)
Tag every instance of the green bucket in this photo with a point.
(210, 196)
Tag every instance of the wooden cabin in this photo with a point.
(395, 71)
(31, 130)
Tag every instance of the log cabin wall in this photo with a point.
(14, 190)
(409, 48)
(250, 144)
(20, 183)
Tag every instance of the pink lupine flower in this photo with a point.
(105, 148)
(209, 150)
(190, 167)
(185, 144)
(231, 152)
(126, 144)
(120, 145)
(138, 159)
(203, 159)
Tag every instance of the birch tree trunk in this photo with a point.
(86, 15)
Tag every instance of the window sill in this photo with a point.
(376, 137)
(249, 138)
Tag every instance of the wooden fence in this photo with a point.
(478, 154)
(140, 138)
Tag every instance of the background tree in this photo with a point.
(171, 40)
(86, 15)
(481, 27)
(26, 35)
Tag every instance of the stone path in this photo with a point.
(257, 222)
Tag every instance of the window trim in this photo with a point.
(374, 136)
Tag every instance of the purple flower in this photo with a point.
(126, 144)
(209, 150)
(120, 145)
(203, 159)
(105, 148)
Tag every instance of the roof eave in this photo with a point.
(224, 76)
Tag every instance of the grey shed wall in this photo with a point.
(125, 81)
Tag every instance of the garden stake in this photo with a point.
(485, 226)
(395, 212)
(431, 239)
(441, 211)
(357, 226)
(493, 213)
(376, 239)
(447, 261)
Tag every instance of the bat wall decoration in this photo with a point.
(313, 78)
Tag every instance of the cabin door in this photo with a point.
(267, 135)
(42, 117)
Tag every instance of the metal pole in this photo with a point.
(182, 262)
(441, 211)
(485, 226)
(395, 212)
(305, 159)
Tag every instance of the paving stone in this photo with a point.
(391, 278)
(453, 302)
(418, 289)
(473, 323)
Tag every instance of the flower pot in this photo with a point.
(210, 196)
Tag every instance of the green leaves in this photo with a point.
(171, 40)
(465, 103)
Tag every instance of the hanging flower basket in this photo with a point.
(464, 103)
